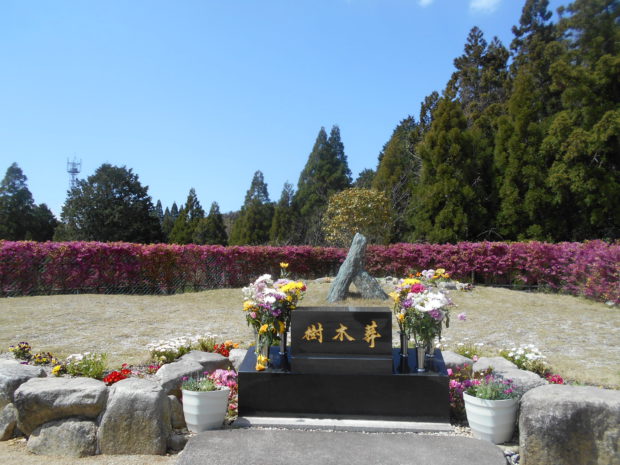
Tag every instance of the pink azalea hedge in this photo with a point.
(591, 268)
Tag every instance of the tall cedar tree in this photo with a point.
(20, 218)
(159, 212)
(326, 172)
(170, 216)
(449, 207)
(525, 210)
(187, 222)
(584, 138)
(111, 205)
(211, 230)
(398, 171)
(479, 83)
(254, 221)
(284, 218)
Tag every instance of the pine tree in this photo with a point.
(449, 206)
(326, 172)
(16, 205)
(211, 230)
(254, 221)
(284, 218)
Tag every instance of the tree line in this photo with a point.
(522, 143)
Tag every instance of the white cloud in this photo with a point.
(484, 6)
(425, 2)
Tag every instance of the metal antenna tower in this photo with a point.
(73, 168)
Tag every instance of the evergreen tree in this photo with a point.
(174, 211)
(111, 205)
(525, 202)
(167, 224)
(397, 172)
(16, 205)
(284, 218)
(159, 212)
(364, 179)
(326, 172)
(186, 223)
(211, 230)
(583, 141)
(449, 206)
(43, 224)
(254, 221)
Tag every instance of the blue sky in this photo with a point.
(203, 93)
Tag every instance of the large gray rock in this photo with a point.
(522, 380)
(455, 361)
(236, 357)
(352, 269)
(8, 421)
(575, 425)
(12, 375)
(368, 286)
(170, 375)
(41, 400)
(136, 419)
(177, 418)
(68, 438)
(209, 360)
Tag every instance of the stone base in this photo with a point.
(277, 393)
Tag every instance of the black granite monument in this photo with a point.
(342, 365)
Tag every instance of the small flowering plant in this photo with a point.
(492, 388)
(527, 357)
(461, 379)
(208, 381)
(268, 305)
(421, 310)
(21, 351)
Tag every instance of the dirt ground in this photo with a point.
(580, 338)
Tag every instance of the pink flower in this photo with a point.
(462, 316)
(449, 371)
(475, 358)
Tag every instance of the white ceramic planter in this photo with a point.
(205, 410)
(491, 420)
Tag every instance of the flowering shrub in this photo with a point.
(228, 378)
(527, 357)
(590, 268)
(21, 351)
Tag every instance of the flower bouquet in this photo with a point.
(268, 305)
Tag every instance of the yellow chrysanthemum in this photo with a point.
(395, 296)
(263, 329)
(400, 317)
(282, 326)
(262, 359)
(283, 265)
(260, 367)
(411, 281)
(247, 305)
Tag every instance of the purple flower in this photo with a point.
(462, 316)
(436, 314)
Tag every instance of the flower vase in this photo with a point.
(284, 350)
(421, 358)
(262, 351)
(429, 354)
(205, 410)
(404, 352)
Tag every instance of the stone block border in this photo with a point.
(77, 417)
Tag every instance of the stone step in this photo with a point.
(295, 447)
(343, 424)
